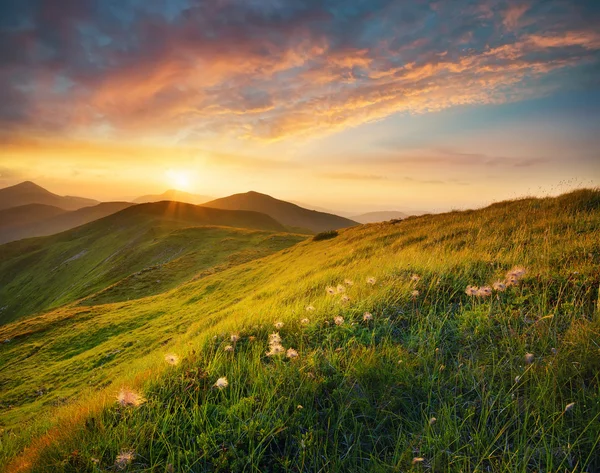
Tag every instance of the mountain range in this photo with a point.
(28, 210)
(29, 193)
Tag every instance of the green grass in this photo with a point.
(138, 258)
(367, 389)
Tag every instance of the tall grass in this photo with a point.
(437, 381)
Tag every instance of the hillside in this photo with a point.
(284, 212)
(174, 195)
(29, 193)
(142, 250)
(26, 215)
(35, 220)
(433, 379)
(383, 216)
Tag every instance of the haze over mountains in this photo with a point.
(28, 210)
(35, 220)
(382, 216)
(29, 193)
(174, 195)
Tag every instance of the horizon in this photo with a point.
(561, 189)
(417, 108)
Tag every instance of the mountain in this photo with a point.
(289, 214)
(29, 193)
(429, 379)
(141, 250)
(26, 215)
(174, 195)
(35, 220)
(383, 216)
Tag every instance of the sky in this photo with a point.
(354, 105)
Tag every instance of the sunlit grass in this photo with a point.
(512, 378)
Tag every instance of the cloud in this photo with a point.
(269, 71)
(444, 157)
(351, 176)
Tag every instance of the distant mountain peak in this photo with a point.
(29, 185)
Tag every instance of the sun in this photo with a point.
(178, 179)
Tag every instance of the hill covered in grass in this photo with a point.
(386, 358)
(143, 250)
(287, 213)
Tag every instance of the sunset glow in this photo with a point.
(354, 105)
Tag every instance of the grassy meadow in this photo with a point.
(382, 362)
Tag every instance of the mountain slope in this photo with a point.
(435, 375)
(29, 193)
(27, 215)
(161, 240)
(383, 216)
(284, 212)
(31, 221)
(173, 195)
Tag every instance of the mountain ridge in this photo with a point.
(27, 192)
(285, 212)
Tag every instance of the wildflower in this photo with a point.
(330, 290)
(129, 398)
(415, 293)
(291, 353)
(341, 288)
(515, 275)
(484, 291)
(367, 316)
(305, 321)
(529, 357)
(274, 338)
(432, 421)
(415, 278)
(278, 325)
(569, 406)
(124, 458)
(348, 282)
(221, 383)
(172, 359)
(300, 406)
(338, 320)
(310, 308)
(345, 298)
(418, 460)
(234, 337)
(554, 351)
(229, 349)
(471, 290)
(371, 280)
(276, 349)
(499, 286)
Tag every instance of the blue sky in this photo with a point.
(351, 104)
